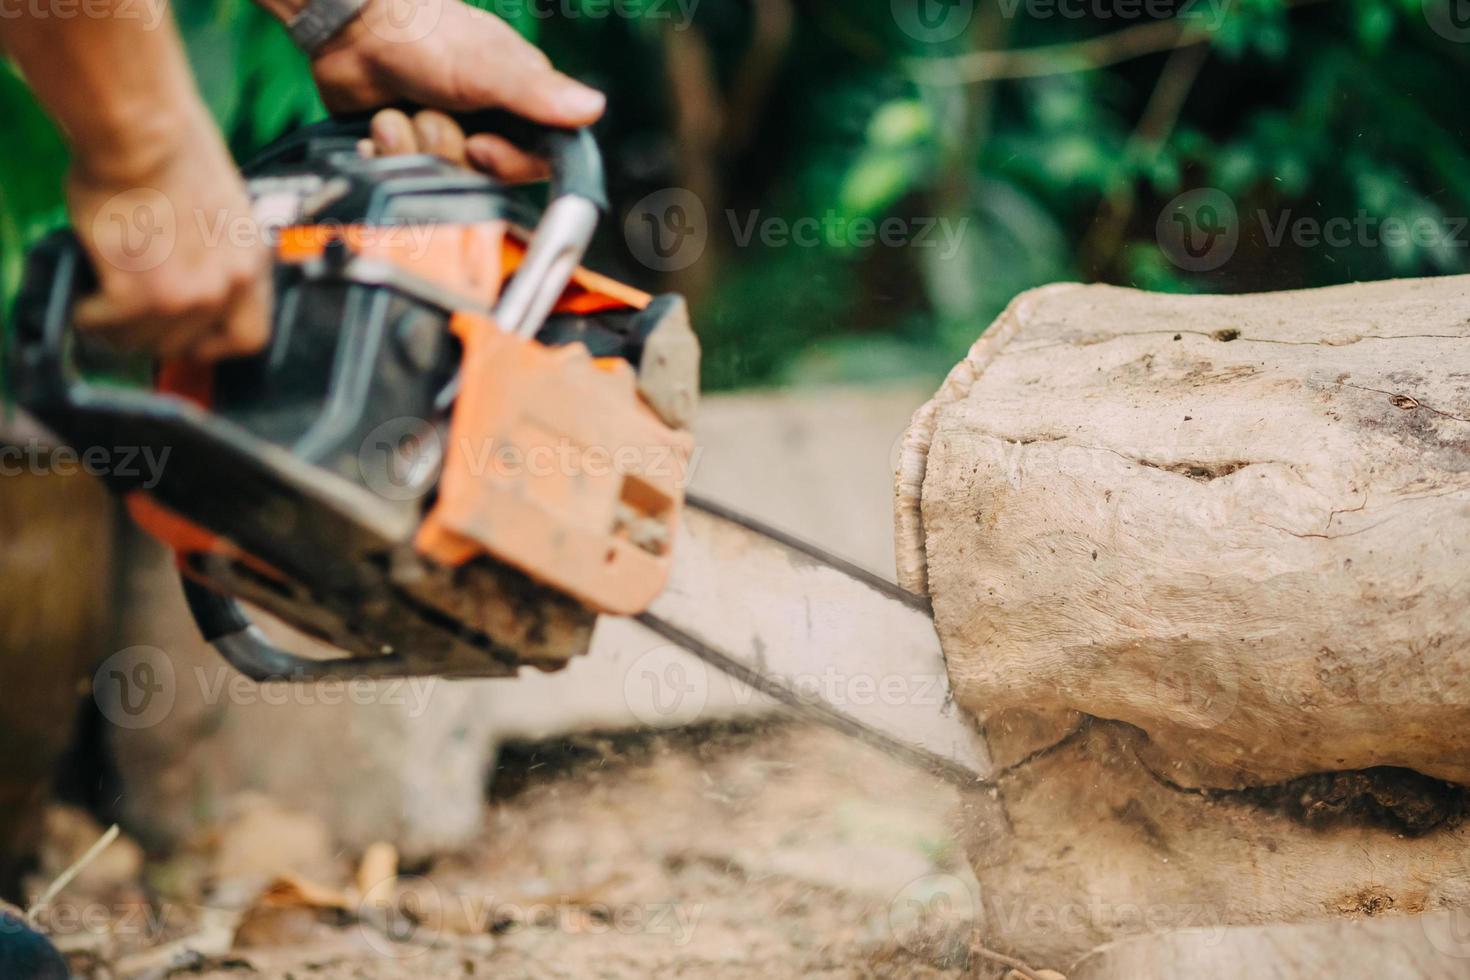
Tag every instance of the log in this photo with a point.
(1238, 523)
(1198, 566)
(1082, 845)
(1428, 947)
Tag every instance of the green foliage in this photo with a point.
(778, 111)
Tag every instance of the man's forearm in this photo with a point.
(117, 84)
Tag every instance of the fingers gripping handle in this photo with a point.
(575, 159)
(578, 199)
(573, 154)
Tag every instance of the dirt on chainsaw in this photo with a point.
(771, 851)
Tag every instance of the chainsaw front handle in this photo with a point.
(573, 154)
(578, 199)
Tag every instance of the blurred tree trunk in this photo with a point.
(56, 537)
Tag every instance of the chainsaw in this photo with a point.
(370, 478)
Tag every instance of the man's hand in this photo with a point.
(181, 268)
(453, 57)
(153, 194)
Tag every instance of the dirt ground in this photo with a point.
(727, 853)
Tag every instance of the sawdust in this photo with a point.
(722, 854)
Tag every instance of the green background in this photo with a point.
(815, 108)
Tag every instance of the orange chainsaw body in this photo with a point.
(555, 464)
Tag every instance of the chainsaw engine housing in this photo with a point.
(396, 474)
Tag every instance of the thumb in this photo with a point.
(522, 80)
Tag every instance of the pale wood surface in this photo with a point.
(1239, 523)
(1183, 550)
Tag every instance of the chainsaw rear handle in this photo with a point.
(41, 370)
(58, 271)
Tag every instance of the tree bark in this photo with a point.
(56, 534)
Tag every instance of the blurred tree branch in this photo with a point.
(1131, 42)
(1156, 124)
(759, 67)
(699, 120)
(1135, 41)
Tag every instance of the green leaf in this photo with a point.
(900, 123)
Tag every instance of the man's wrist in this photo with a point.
(136, 141)
(282, 10)
(314, 25)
